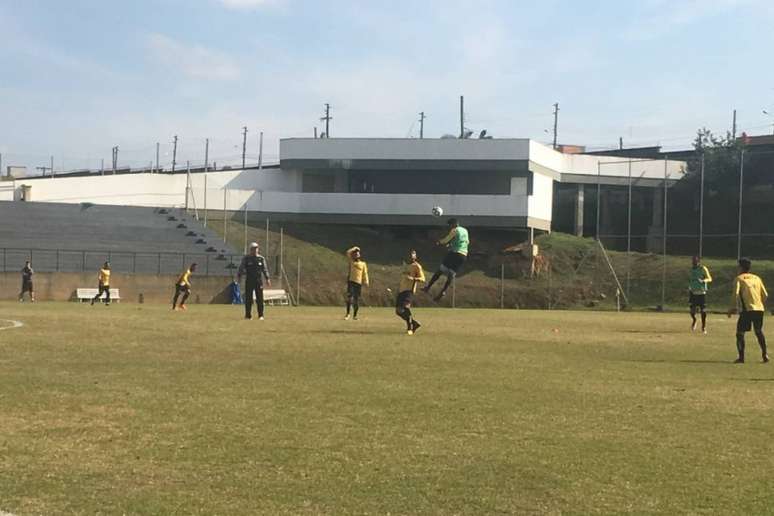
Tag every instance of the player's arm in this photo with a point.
(707, 276)
(764, 293)
(734, 297)
(365, 274)
(351, 250)
(242, 268)
(448, 238)
(265, 272)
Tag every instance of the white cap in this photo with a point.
(253, 244)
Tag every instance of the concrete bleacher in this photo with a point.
(80, 237)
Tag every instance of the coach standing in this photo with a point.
(253, 268)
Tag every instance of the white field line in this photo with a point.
(13, 324)
(3, 513)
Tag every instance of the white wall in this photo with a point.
(403, 148)
(540, 204)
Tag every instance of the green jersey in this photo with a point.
(458, 240)
(698, 279)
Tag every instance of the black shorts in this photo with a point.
(697, 299)
(404, 298)
(748, 320)
(353, 289)
(27, 286)
(454, 261)
(182, 288)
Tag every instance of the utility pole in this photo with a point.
(157, 157)
(115, 159)
(260, 151)
(52, 166)
(556, 122)
(620, 147)
(462, 117)
(315, 133)
(327, 119)
(244, 145)
(733, 126)
(422, 125)
(174, 154)
(102, 167)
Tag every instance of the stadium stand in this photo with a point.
(80, 237)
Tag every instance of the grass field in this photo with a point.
(134, 409)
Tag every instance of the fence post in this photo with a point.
(134, 263)
(298, 283)
(158, 270)
(57, 260)
(183, 261)
(4, 260)
(225, 218)
(454, 292)
(206, 264)
(83, 262)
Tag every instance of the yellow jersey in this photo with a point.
(749, 294)
(412, 275)
(104, 277)
(185, 278)
(358, 269)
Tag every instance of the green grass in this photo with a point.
(134, 409)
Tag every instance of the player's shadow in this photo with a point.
(665, 361)
(345, 332)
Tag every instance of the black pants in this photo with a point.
(250, 289)
(181, 289)
(103, 289)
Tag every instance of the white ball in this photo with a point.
(437, 211)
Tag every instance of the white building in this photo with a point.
(485, 182)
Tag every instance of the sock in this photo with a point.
(446, 285)
(356, 306)
(349, 306)
(703, 320)
(740, 345)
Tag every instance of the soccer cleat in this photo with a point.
(409, 332)
(354, 318)
(183, 307)
(439, 296)
(704, 331)
(249, 317)
(693, 326)
(739, 361)
(346, 317)
(765, 359)
(261, 318)
(415, 326)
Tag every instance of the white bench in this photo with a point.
(87, 294)
(275, 296)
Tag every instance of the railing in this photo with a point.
(61, 260)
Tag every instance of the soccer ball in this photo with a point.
(437, 211)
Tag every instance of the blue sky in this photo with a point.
(79, 76)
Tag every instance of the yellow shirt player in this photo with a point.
(183, 286)
(412, 275)
(103, 279)
(357, 277)
(748, 298)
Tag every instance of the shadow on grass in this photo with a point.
(345, 332)
(665, 361)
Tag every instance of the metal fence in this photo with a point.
(61, 260)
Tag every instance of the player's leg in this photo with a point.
(348, 299)
(107, 296)
(186, 293)
(32, 293)
(432, 281)
(693, 314)
(97, 295)
(355, 301)
(704, 318)
(742, 326)
(176, 296)
(758, 329)
(259, 300)
(249, 291)
(403, 309)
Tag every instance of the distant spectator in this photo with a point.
(26, 274)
